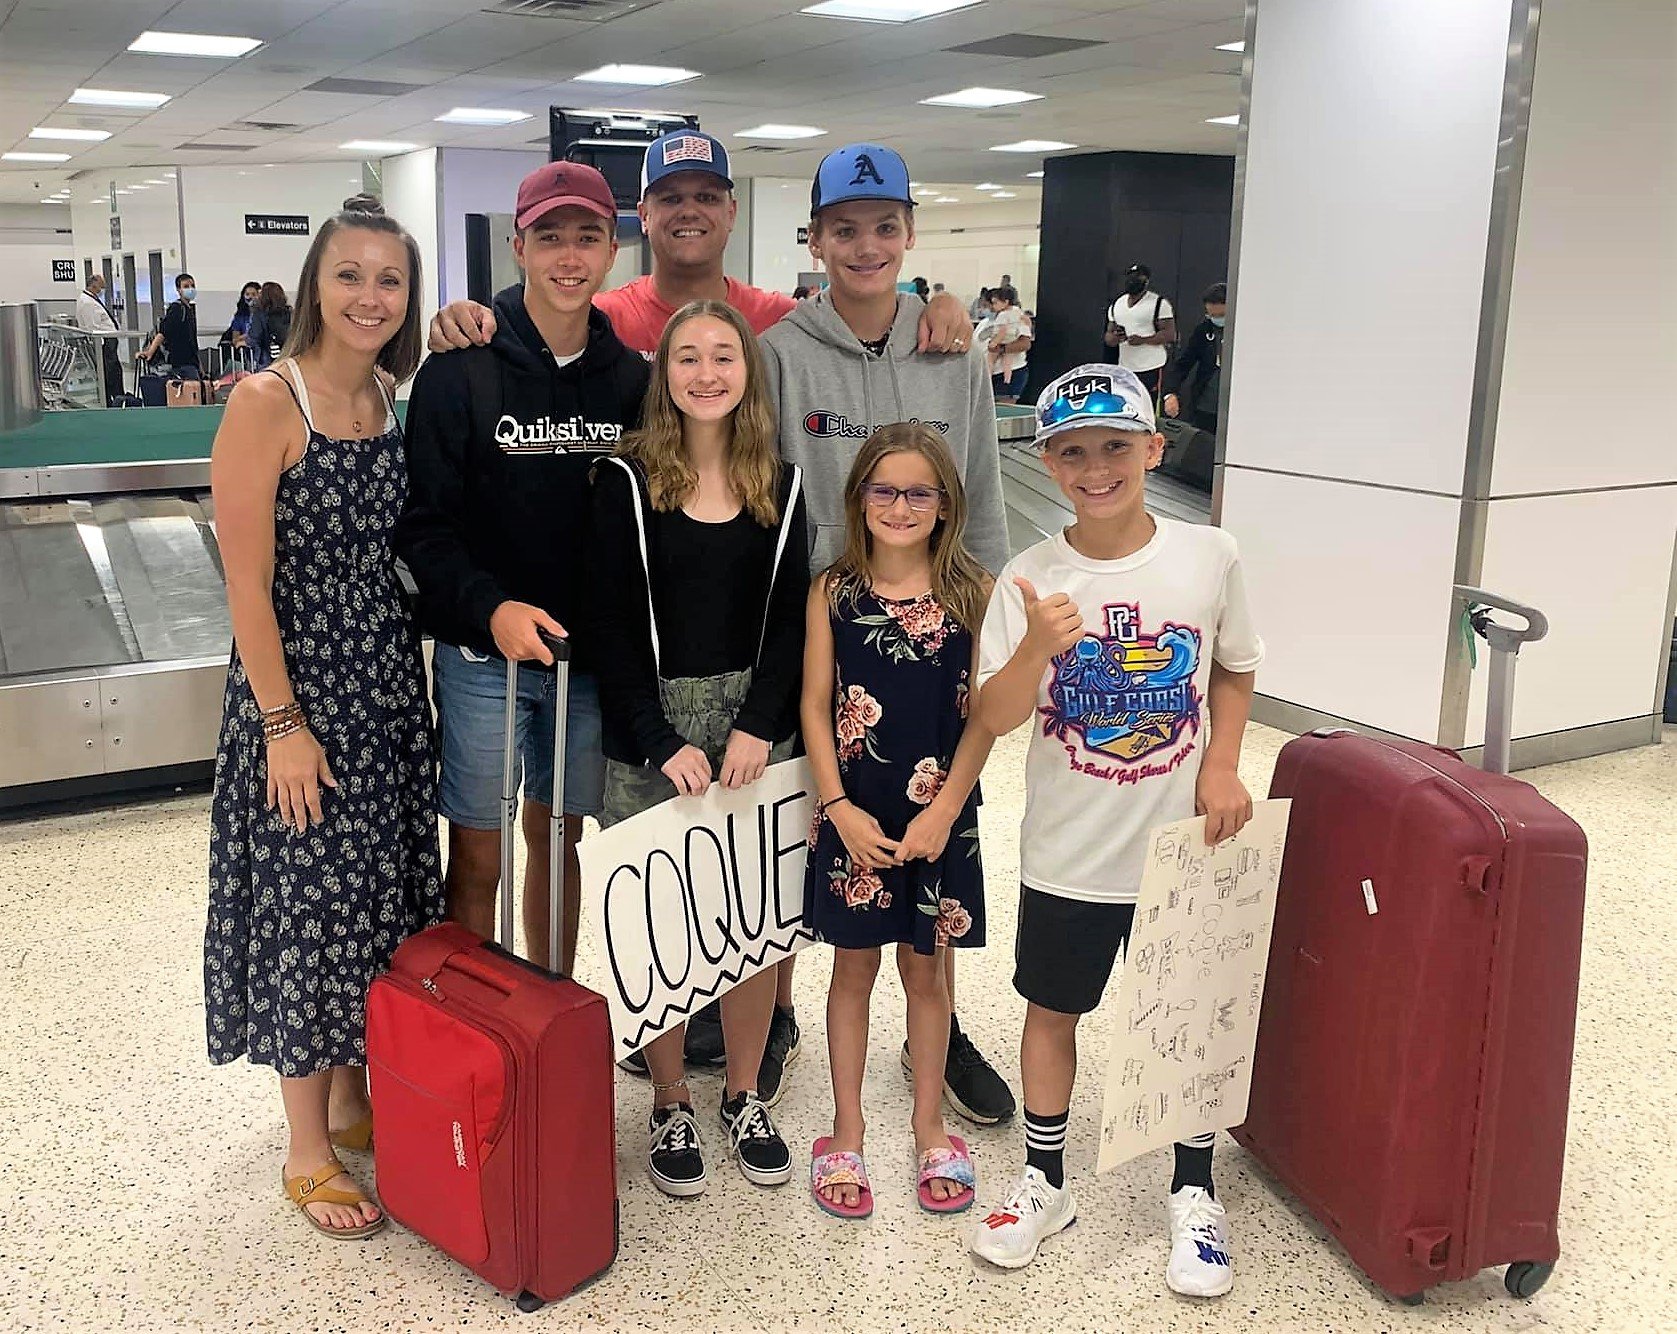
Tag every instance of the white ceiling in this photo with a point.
(1151, 84)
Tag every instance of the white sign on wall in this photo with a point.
(1192, 988)
(696, 895)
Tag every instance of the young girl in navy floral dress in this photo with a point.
(894, 859)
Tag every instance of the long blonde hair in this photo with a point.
(753, 454)
(958, 581)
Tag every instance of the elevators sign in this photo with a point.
(64, 270)
(276, 224)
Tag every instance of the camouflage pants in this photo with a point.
(702, 709)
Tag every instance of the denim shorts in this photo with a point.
(471, 712)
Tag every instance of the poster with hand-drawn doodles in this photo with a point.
(1187, 1003)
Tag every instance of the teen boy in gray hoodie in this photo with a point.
(844, 364)
(835, 384)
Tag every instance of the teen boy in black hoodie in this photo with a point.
(500, 442)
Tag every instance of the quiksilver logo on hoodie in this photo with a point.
(547, 436)
(825, 425)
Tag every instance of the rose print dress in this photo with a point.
(899, 708)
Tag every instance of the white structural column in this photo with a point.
(1455, 292)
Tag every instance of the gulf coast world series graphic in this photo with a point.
(1124, 702)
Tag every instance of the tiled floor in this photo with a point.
(141, 1192)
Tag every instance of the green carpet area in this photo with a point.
(119, 435)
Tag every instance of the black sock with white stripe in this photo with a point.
(1045, 1145)
(1193, 1164)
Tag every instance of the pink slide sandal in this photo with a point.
(839, 1169)
(951, 1164)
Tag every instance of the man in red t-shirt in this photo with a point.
(687, 210)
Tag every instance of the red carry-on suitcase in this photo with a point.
(491, 1083)
(1414, 1050)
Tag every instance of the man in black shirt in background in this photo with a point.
(178, 334)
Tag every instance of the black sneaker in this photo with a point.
(705, 1045)
(674, 1155)
(635, 1064)
(763, 1156)
(779, 1052)
(970, 1082)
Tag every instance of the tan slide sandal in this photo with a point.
(312, 1189)
(357, 1138)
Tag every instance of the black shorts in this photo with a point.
(1065, 949)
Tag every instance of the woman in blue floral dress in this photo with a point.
(894, 854)
(323, 838)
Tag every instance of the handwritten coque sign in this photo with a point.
(696, 895)
(1186, 1016)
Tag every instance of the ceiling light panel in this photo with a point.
(378, 146)
(483, 116)
(1232, 46)
(979, 98)
(1223, 120)
(111, 97)
(34, 157)
(67, 132)
(206, 45)
(887, 11)
(638, 76)
(773, 131)
(1032, 146)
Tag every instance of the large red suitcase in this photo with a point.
(1414, 1050)
(491, 1083)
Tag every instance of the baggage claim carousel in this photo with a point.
(114, 631)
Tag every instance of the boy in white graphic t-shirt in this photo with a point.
(1127, 642)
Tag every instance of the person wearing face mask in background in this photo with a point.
(1195, 378)
(1141, 324)
(177, 335)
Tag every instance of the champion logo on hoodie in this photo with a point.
(547, 436)
(825, 425)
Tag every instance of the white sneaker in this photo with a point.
(1010, 1234)
(1199, 1245)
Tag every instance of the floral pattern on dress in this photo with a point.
(300, 923)
(953, 921)
(910, 629)
(900, 670)
(926, 781)
(857, 886)
(856, 714)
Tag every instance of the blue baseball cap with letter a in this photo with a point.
(684, 150)
(860, 171)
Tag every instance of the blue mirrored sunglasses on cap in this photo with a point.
(1093, 405)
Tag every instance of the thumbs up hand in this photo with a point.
(1052, 624)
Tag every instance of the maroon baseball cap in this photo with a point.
(556, 184)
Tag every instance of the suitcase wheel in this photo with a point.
(1525, 1277)
(1413, 1298)
(529, 1303)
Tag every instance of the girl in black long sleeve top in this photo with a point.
(703, 571)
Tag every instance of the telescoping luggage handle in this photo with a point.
(1505, 642)
(561, 650)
